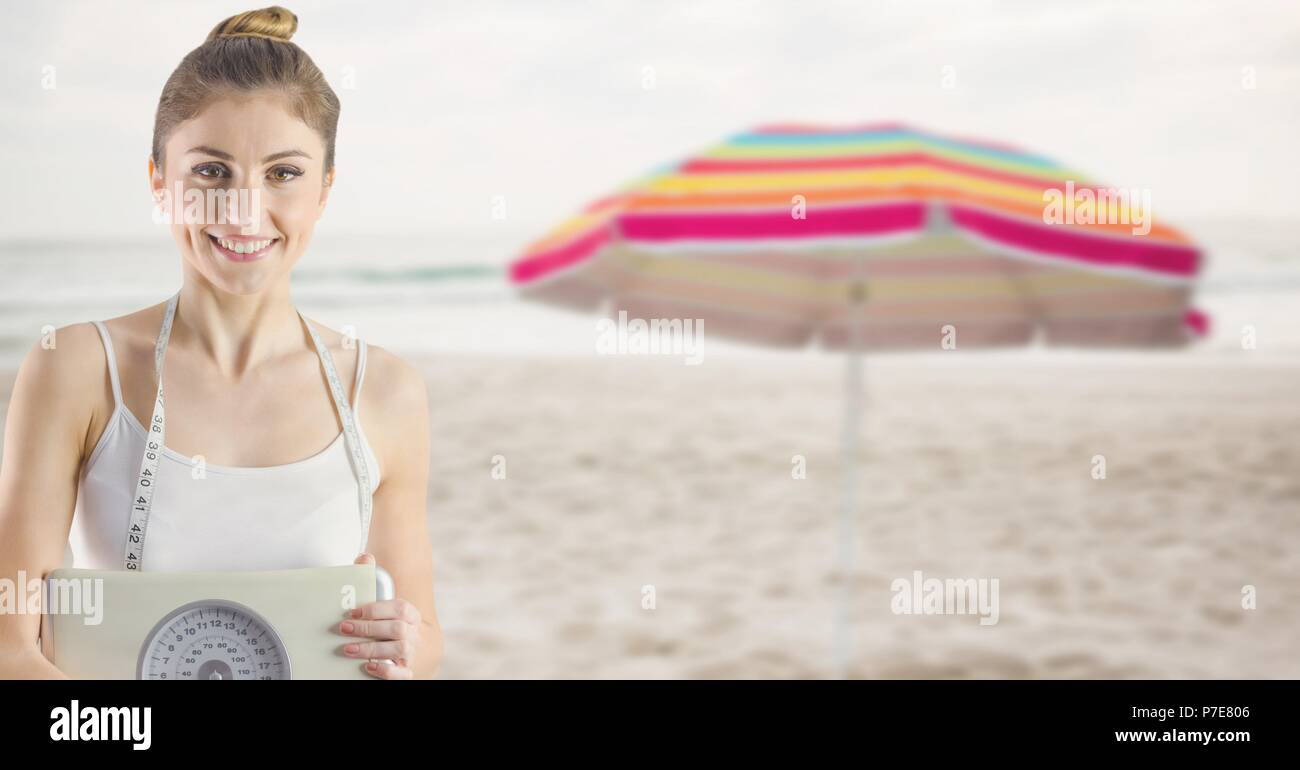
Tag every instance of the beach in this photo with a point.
(622, 472)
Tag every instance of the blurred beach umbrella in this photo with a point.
(879, 237)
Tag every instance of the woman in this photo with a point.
(261, 464)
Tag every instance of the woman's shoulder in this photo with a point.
(394, 406)
(65, 376)
(394, 390)
(63, 382)
(388, 376)
(62, 358)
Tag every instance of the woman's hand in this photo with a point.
(392, 635)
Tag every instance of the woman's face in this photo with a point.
(252, 182)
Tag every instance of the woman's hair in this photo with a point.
(249, 52)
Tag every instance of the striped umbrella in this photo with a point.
(869, 238)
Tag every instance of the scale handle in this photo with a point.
(384, 589)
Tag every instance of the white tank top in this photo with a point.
(301, 514)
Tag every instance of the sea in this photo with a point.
(450, 295)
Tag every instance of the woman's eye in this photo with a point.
(284, 173)
(211, 170)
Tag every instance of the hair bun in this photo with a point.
(273, 23)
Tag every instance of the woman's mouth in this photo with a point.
(243, 249)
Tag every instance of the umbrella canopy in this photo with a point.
(877, 236)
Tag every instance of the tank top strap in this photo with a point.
(112, 363)
(361, 376)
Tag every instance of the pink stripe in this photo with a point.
(1059, 241)
(538, 265)
(753, 226)
(831, 268)
(1197, 321)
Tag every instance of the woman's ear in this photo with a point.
(158, 188)
(156, 184)
(325, 193)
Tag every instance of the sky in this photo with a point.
(452, 108)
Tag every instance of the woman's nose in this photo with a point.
(244, 204)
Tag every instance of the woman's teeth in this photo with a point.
(244, 247)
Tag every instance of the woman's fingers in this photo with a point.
(378, 629)
(389, 609)
(384, 670)
(392, 649)
(392, 628)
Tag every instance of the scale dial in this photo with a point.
(213, 639)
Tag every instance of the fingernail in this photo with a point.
(351, 649)
(372, 666)
(356, 613)
(346, 627)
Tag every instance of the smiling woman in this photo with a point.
(269, 125)
(269, 462)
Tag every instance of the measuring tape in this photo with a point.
(350, 437)
(147, 480)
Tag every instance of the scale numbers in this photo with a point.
(213, 639)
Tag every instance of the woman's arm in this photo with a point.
(396, 410)
(45, 436)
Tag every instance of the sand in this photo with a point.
(626, 472)
(623, 472)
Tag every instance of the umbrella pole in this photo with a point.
(842, 629)
(844, 546)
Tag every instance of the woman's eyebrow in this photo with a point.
(227, 156)
(286, 154)
(213, 152)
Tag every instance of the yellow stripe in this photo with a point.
(887, 178)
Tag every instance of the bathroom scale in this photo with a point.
(275, 624)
